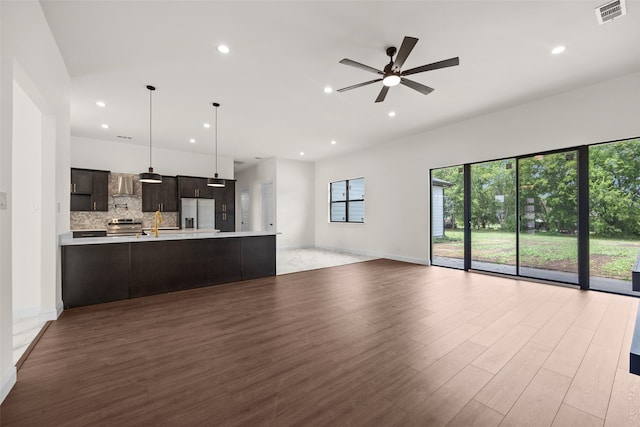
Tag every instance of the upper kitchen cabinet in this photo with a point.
(81, 181)
(162, 197)
(89, 190)
(193, 187)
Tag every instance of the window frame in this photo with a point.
(347, 200)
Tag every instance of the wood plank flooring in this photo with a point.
(374, 343)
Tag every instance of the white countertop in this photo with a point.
(67, 239)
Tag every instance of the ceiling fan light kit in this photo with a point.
(392, 74)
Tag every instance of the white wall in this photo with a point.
(293, 182)
(134, 158)
(397, 173)
(26, 212)
(295, 204)
(253, 178)
(30, 57)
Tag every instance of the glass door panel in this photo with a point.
(447, 217)
(493, 216)
(614, 210)
(548, 242)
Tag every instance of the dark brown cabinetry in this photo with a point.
(97, 273)
(89, 190)
(93, 274)
(193, 187)
(225, 206)
(81, 180)
(162, 197)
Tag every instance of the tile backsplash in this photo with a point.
(121, 207)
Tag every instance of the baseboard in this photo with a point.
(8, 381)
(46, 315)
(408, 259)
(376, 255)
(24, 312)
(292, 247)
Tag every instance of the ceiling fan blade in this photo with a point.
(405, 49)
(346, 61)
(425, 90)
(358, 85)
(383, 94)
(451, 62)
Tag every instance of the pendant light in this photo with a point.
(150, 177)
(216, 182)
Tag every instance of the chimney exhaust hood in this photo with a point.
(125, 186)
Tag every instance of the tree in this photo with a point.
(614, 188)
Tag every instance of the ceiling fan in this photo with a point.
(392, 75)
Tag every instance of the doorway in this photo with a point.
(245, 210)
(268, 208)
(27, 220)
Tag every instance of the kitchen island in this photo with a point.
(103, 269)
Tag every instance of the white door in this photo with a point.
(268, 208)
(245, 209)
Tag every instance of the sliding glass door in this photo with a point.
(447, 217)
(548, 201)
(614, 214)
(493, 216)
(569, 216)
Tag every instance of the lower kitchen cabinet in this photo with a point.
(93, 274)
(97, 273)
(156, 268)
(211, 262)
(258, 260)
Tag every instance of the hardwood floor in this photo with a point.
(373, 343)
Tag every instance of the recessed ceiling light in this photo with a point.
(207, 125)
(101, 104)
(558, 50)
(333, 142)
(104, 126)
(223, 48)
(192, 141)
(392, 113)
(328, 89)
(302, 153)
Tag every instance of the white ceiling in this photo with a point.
(270, 86)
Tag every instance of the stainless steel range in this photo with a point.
(124, 227)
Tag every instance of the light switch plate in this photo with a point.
(3, 200)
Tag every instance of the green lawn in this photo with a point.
(609, 258)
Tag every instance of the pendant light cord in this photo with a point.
(216, 141)
(150, 116)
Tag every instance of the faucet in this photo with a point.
(156, 220)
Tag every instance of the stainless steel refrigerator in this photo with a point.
(197, 213)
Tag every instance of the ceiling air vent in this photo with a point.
(610, 11)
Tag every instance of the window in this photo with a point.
(347, 200)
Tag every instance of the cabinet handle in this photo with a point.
(94, 206)
(74, 188)
(158, 206)
(162, 207)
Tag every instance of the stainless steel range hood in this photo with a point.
(125, 186)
